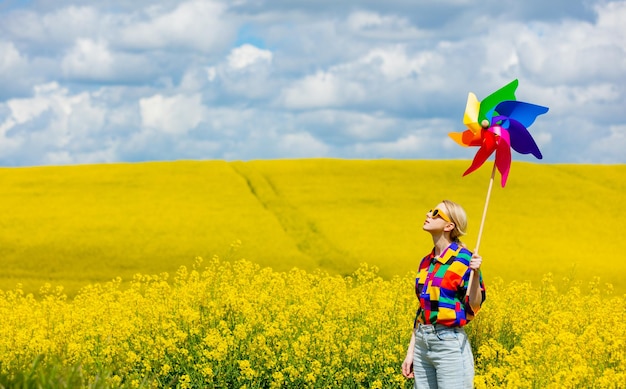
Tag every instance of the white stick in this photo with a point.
(482, 224)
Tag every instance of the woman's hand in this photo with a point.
(474, 294)
(407, 366)
(475, 262)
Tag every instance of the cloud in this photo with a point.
(572, 52)
(88, 59)
(409, 145)
(194, 25)
(98, 44)
(247, 55)
(244, 76)
(50, 124)
(25, 110)
(175, 115)
(57, 28)
(211, 79)
(10, 57)
(322, 89)
(341, 128)
(394, 63)
(302, 145)
(611, 147)
(14, 71)
(373, 25)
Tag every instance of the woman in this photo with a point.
(439, 354)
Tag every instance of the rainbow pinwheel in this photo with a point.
(499, 123)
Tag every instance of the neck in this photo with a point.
(441, 242)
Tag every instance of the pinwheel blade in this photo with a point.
(458, 138)
(503, 161)
(473, 138)
(522, 141)
(470, 118)
(466, 138)
(483, 153)
(507, 92)
(525, 113)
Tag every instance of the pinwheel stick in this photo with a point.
(482, 223)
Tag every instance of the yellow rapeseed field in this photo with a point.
(75, 225)
(325, 297)
(237, 325)
(561, 219)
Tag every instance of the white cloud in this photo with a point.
(574, 52)
(198, 25)
(302, 145)
(176, 115)
(51, 124)
(10, 57)
(611, 18)
(362, 20)
(394, 62)
(322, 89)
(374, 25)
(247, 55)
(368, 127)
(349, 126)
(245, 74)
(211, 73)
(410, 145)
(214, 79)
(23, 110)
(65, 157)
(610, 148)
(88, 59)
(60, 26)
(391, 62)
(15, 70)
(195, 80)
(542, 139)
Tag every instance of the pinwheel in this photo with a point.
(503, 125)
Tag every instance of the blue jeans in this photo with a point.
(443, 358)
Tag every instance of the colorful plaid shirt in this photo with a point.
(441, 286)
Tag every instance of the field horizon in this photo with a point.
(81, 224)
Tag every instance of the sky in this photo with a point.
(85, 82)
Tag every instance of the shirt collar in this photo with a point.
(449, 252)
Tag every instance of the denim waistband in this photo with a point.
(433, 328)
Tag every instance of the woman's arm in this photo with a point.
(474, 294)
(407, 365)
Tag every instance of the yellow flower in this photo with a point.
(377, 384)
(233, 324)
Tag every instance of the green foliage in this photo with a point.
(50, 374)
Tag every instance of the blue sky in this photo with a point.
(93, 82)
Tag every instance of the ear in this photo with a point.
(449, 227)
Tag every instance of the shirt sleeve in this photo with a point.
(483, 295)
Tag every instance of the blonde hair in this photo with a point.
(459, 218)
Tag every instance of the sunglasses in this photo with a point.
(438, 212)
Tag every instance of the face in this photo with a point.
(437, 219)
